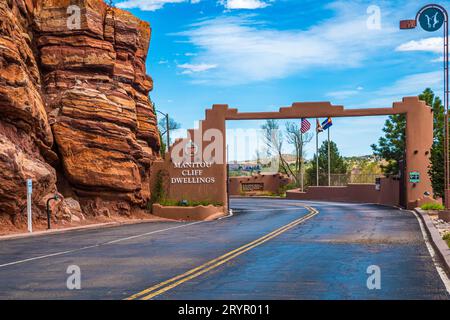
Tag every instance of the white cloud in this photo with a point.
(149, 5)
(407, 86)
(244, 4)
(343, 94)
(410, 85)
(414, 84)
(153, 5)
(246, 50)
(434, 44)
(194, 68)
(439, 59)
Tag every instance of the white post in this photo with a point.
(317, 155)
(301, 161)
(329, 159)
(29, 214)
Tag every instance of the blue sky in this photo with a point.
(258, 55)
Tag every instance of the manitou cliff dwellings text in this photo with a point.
(192, 173)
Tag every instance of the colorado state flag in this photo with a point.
(327, 123)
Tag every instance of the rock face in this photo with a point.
(74, 105)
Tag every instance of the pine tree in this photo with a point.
(337, 164)
(391, 147)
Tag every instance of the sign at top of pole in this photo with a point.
(29, 186)
(431, 19)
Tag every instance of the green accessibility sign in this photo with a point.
(431, 19)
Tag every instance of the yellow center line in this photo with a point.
(193, 273)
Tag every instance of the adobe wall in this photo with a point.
(269, 182)
(208, 183)
(210, 138)
(419, 139)
(356, 193)
(200, 213)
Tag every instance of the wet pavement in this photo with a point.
(325, 257)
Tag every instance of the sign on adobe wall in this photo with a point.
(192, 173)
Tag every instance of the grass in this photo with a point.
(446, 238)
(432, 206)
(188, 203)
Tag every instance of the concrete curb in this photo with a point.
(258, 197)
(436, 240)
(80, 228)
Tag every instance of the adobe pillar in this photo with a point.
(419, 140)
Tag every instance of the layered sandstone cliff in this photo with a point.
(75, 115)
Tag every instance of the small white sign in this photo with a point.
(29, 213)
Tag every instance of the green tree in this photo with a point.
(337, 163)
(391, 147)
(436, 169)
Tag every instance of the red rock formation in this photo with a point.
(88, 85)
(25, 135)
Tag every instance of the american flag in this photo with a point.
(305, 125)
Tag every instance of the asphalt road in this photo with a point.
(269, 249)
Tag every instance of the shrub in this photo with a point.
(188, 203)
(158, 193)
(446, 238)
(282, 190)
(432, 206)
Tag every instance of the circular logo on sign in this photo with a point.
(431, 19)
(191, 148)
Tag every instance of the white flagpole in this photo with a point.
(329, 158)
(317, 153)
(301, 161)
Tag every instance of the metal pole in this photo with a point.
(48, 211)
(166, 115)
(168, 131)
(411, 24)
(317, 155)
(301, 161)
(48, 214)
(228, 183)
(329, 159)
(446, 118)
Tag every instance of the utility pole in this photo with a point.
(167, 131)
(166, 115)
(301, 161)
(317, 152)
(440, 19)
(329, 159)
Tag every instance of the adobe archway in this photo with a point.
(419, 139)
